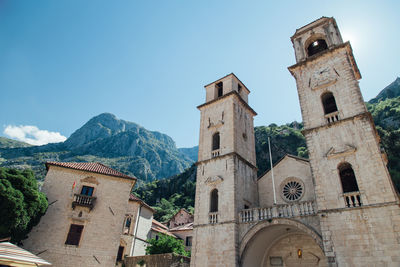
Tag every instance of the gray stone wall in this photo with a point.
(158, 260)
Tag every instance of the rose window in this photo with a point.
(292, 190)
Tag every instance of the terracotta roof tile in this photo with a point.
(132, 197)
(90, 167)
(188, 226)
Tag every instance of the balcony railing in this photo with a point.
(352, 199)
(83, 200)
(304, 208)
(215, 153)
(332, 117)
(213, 217)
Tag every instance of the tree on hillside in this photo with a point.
(21, 203)
(166, 244)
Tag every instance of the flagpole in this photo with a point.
(272, 170)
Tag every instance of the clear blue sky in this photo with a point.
(63, 62)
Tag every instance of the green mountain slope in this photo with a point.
(9, 143)
(390, 91)
(120, 144)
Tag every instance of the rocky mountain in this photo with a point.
(123, 145)
(191, 152)
(390, 91)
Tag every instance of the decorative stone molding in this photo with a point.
(90, 180)
(341, 151)
(213, 180)
(322, 78)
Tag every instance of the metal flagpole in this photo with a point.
(272, 170)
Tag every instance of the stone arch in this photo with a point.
(312, 39)
(274, 230)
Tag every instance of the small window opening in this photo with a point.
(316, 47)
(188, 241)
(329, 103)
(347, 178)
(214, 201)
(87, 190)
(239, 88)
(157, 237)
(220, 90)
(74, 234)
(120, 253)
(215, 141)
(127, 224)
(246, 207)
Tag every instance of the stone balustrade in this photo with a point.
(332, 117)
(215, 153)
(278, 211)
(213, 217)
(352, 199)
(83, 200)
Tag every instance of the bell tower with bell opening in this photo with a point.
(357, 203)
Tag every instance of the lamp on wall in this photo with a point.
(299, 253)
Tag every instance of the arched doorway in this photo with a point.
(282, 243)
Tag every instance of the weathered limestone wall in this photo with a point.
(215, 246)
(143, 231)
(370, 171)
(363, 237)
(288, 167)
(158, 260)
(337, 77)
(102, 225)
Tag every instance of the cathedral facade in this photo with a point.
(337, 208)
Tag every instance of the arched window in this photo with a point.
(347, 177)
(215, 141)
(329, 103)
(127, 224)
(316, 47)
(214, 201)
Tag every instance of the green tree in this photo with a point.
(166, 244)
(21, 203)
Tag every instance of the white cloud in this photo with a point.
(33, 135)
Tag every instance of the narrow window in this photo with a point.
(239, 88)
(214, 201)
(329, 103)
(120, 253)
(87, 190)
(316, 47)
(188, 241)
(215, 141)
(74, 234)
(127, 224)
(347, 177)
(219, 87)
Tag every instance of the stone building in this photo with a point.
(181, 225)
(339, 208)
(92, 219)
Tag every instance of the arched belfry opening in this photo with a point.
(329, 103)
(215, 141)
(316, 47)
(214, 200)
(347, 178)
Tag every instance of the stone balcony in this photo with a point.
(332, 117)
(83, 201)
(292, 210)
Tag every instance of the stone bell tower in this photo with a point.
(226, 172)
(357, 203)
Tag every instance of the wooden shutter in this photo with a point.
(74, 234)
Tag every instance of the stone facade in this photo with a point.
(339, 208)
(158, 260)
(104, 222)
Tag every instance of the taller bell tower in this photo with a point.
(226, 173)
(357, 203)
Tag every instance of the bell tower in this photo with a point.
(357, 203)
(226, 173)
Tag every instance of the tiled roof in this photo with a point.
(188, 226)
(132, 197)
(90, 167)
(160, 228)
(15, 254)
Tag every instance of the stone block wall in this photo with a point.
(158, 260)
